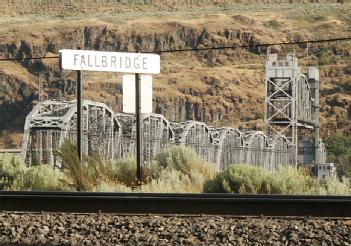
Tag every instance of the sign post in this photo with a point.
(79, 113)
(121, 62)
(138, 130)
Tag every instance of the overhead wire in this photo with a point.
(205, 48)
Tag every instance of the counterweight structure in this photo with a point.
(292, 103)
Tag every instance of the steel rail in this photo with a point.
(156, 203)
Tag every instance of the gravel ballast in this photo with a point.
(111, 229)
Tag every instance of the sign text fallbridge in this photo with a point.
(110, 61)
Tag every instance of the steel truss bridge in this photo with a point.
(113, 137)
(291, 103)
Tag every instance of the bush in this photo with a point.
(170, 181)
(339, 152)
(335, 187)
(15, 175)
(84, 176)
(79, 176)
(126, 172)
(186, 161)
(244, 179)
(323, 58)
(259, 115)
(180, 171)
(43, 178)
(274, 24)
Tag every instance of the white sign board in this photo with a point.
(129, 94)
(110, 61)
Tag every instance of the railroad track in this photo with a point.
(187, 204)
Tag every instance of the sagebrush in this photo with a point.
(245, 179)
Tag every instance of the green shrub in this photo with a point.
(84, 176)
(43, 178)
(339, 152)
(244, 179)
(170, 181)
(323, 57)
(15, 175)
(335, 187)
(182, 171)
(186, 161)
(274, 24)
(259, 115)
(79, 177)
(126, 172)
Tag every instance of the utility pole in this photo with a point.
(79, 112)
(138, 130)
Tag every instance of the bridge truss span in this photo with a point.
(51, 122)
(156, 130)
(197, 136)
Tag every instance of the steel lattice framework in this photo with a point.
(196, 135)
(113, 136)
(292, 101)
(229, 147)
(157, 134)
(51, 122)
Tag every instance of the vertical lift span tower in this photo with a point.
(292, 105)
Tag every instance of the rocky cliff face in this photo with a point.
(187, 106)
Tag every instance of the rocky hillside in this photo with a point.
(220, 87)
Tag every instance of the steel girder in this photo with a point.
(196, 135)
(51, 122)
(281, 152)
(157, 134)
(229, 147)
(256, 148)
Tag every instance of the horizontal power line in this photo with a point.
(204, 49)
(255, 45)
(29, 58)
